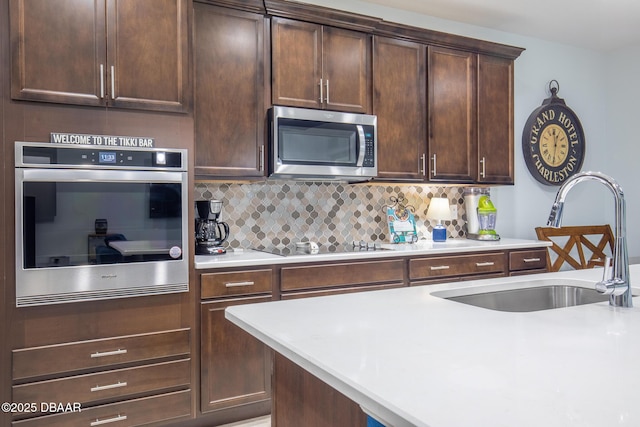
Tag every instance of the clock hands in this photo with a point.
(555, 144)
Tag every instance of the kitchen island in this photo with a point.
(410, 358)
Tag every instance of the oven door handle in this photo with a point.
(97, 175)
(362, 145)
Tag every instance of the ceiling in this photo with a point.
(594, 24)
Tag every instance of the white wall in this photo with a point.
(595, 85)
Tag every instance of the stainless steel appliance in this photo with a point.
(323, 145)
(97, 222)
(211, 233)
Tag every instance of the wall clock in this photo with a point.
(553, 140)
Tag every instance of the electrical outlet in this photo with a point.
(454, 211)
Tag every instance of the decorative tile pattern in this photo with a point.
(278, 213)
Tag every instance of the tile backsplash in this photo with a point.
(279, 213)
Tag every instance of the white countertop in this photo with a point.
(250, 257)
(413, 359)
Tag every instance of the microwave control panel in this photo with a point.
(369, 147)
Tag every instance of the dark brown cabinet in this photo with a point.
(230, 85)
(470, 117)
(431, 270)
(452, 133)
(399, 101)
(105, 371)
(317, 66)
(446, 118)
(235, 368)
(118, 53)
(495, 120)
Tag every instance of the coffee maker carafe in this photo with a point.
(211, 233)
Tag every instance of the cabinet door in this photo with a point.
(148, 59)
(235, 367)
(229, 97)
(346, 65)
(495, 120)
(297, 63)
(57, 49)
(399, 101)
(452, 115)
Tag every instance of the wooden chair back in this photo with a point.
(589, 242)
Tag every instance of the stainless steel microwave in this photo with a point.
(322, 145)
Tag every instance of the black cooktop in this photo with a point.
(292, 249)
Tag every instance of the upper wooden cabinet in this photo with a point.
(119, 53)
(495, 120)
(318, 66)
(230, 84)
(451, 115)
(399, 101)
(457, 130)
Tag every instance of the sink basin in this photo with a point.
(532, 295)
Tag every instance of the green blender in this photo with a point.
(487, 214)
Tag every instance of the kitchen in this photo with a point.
(592, 82)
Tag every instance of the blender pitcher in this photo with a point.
(487, 214)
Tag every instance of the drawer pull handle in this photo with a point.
(531, 259)
(236, 284)
(109, 387)
(439, 267)
(485, 264)
(99, 422)
(109, 353)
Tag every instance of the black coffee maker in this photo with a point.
(210, 232)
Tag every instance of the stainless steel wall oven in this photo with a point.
(97, 222)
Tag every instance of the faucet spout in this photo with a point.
(615, 281)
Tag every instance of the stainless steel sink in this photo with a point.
(526, 296)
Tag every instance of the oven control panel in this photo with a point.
(55, 155)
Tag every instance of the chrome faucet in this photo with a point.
(615, 281)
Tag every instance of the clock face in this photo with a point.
(553, 143)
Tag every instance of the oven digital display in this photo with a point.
(107, 157)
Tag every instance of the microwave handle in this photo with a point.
(363, 146)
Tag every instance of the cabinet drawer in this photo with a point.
(108, 385)
(458, 265)
(323, 292)
(347, 274)
(83, 355)
(170, 406)
(235, 283)
(534, 259)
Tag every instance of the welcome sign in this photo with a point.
(102, 140)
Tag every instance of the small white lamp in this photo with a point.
(440, 211)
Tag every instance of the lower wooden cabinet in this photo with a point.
(235, 368)
(89, 389)
(132, 380)
(445, 268)
(528, 261)
(343, 275)
(175, 406)
(301, 396)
